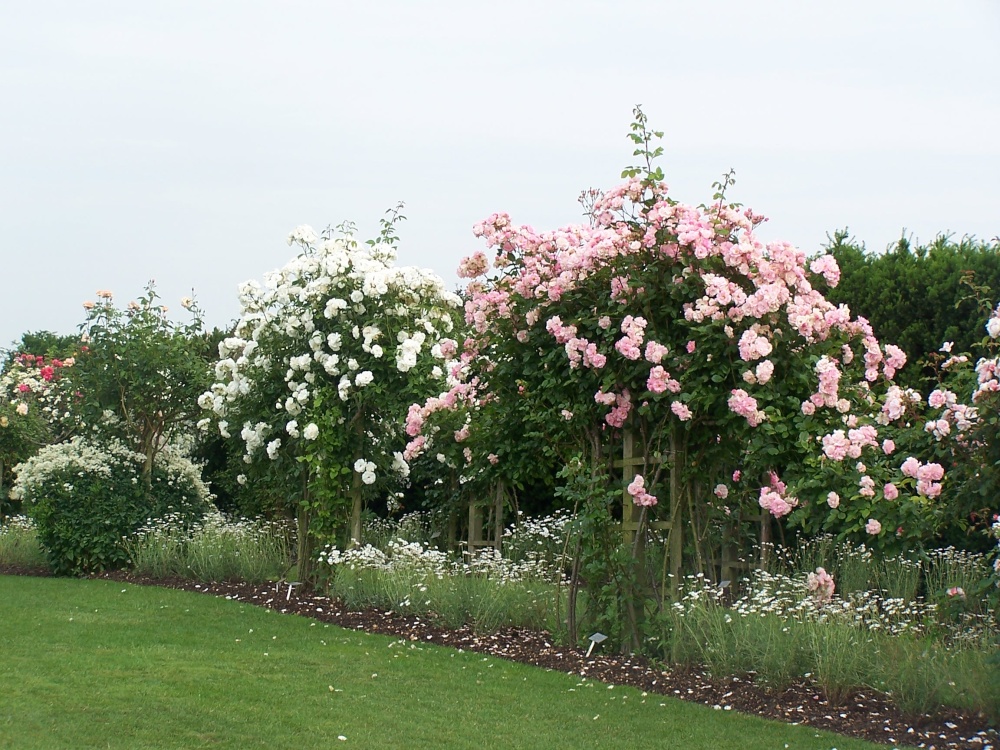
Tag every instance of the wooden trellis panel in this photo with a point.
(477, 511)
(631, 512)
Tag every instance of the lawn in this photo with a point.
(103, 664)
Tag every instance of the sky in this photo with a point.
(182, 141)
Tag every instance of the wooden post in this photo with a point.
(677, 459)
(304, 547)
(498, 517)
(477, 510)
(765, 540)
(631, 513)
(356, 510)
(452, 532)
(475, 528)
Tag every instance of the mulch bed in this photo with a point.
(866, 714)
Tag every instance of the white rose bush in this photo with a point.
(324, 362)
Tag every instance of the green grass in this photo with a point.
(101, 664)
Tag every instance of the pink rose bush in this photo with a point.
(678, 324)
(713, 348)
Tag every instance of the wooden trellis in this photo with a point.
(728, 565)
(477, 512)
(631, 513)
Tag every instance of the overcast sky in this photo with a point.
(182, 141)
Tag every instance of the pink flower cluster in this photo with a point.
(629, 345)
(32, 379)
(742, 403)
(754, 346)
(839, 445)
(474, 265)
(659, 380)
(829, 383)
(637, 489)
(623, 405)
(894, 360)
(987, 376)
(826, 266)
(773, 499)
(680, 410)
(928, 476)
(820, 584)
(655, 352)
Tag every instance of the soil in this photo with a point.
(866, 714)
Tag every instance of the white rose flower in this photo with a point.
(363, 378)
(399, 465)
(311, 432)
(360, 466)
(993, 327)
(303, 234)
(344, 388)
(272, 448)
(368, 477)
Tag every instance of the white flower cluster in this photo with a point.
(315, 321)
(420, 561)
(993, 324)
(72, 458)
(541, 538)
(213, 524)
(15, 524)
(366, 469)
(77, 458)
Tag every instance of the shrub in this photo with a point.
(86, 498)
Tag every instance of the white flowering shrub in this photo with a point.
(328, 355)
(86, 498)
